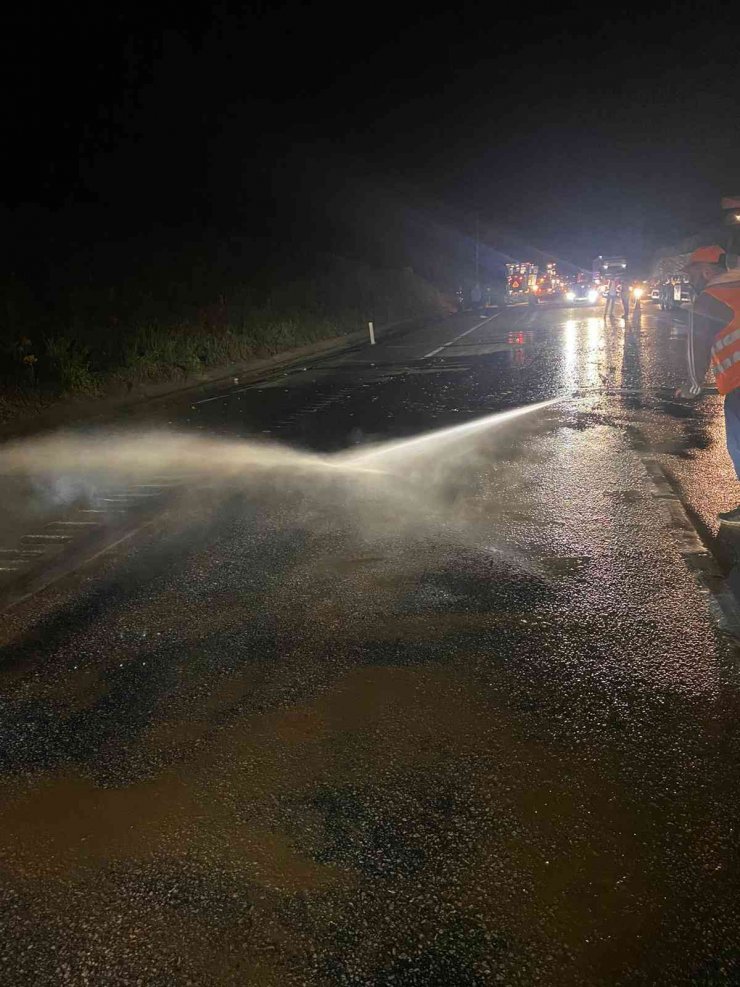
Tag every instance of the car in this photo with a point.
(582, 294)
(682, 293)
(544, 293)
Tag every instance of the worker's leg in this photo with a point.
(732, 428)
(732, 431)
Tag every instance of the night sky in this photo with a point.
(580, 131)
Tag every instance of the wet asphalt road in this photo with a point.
(463, 720)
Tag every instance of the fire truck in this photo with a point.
(521, 282)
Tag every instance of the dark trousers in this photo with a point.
(732, 428)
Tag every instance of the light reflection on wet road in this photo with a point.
(468, 722)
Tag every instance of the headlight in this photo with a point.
(593, 295)
(638, 292)
(570, 296)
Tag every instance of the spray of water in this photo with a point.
(385, 489)
(121, 455)
(392, 455)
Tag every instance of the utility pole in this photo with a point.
(477, 248)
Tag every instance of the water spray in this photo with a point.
(160, 452)
(389, 452)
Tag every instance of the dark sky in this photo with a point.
(580, 131)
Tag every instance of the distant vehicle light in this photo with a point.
(638, 292)
(570, 296)
(593, 295)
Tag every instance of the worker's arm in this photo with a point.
(710, 316)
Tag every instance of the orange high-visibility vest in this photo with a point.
(726, 345)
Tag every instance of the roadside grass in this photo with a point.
(136, 334)
(155, 352)
(69, 361)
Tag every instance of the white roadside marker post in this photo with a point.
(372, 333)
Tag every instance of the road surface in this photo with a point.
(453, 711)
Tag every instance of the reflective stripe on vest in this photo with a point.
(726, 345)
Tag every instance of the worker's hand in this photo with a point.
(687, 392)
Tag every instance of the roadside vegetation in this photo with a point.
(94, 337)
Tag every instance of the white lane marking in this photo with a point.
(61, 575)
(101, 510)
(227, 394)
(467, 331)
(168, 480)
(49, 538)
(95, 524)
(129, 494)
(480, 349)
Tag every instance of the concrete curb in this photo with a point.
(723, 604)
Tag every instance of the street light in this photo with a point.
(731, 208)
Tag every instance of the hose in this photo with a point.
(695, 388)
